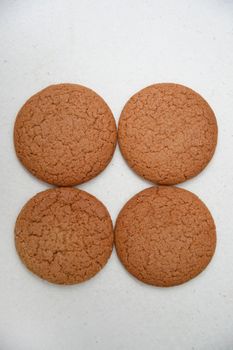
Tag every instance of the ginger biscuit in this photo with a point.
(64, 235)
(167, 133)
(165, 236)
(65, 134)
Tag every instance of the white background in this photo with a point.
(116, 48)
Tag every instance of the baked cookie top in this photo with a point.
(167, 133)
(165, 236)
(65, 134)
(64, 235)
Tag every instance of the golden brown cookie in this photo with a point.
(167, 133)
(64, 235)
(65, 134)
(165, 236)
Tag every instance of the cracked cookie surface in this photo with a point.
(167, 133)
(65, 134)
(64, 235)
(165, 236)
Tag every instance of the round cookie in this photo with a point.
(64, 235)
(167, 133)
(65, 134)
(165, 236)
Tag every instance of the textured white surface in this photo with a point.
(116, 48)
